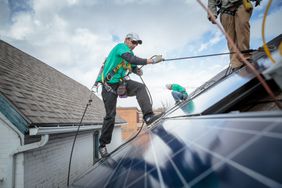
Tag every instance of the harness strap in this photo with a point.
(231, 10)
(109, 88)
(111, 74)
(114, 71)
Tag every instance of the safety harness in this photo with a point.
(230, 10)
(109, 76)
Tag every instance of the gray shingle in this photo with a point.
(43, 94)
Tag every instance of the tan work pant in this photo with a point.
(238, 28)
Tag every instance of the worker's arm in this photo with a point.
(213, 8)
(135, 60)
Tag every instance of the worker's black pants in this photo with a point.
(110, 100)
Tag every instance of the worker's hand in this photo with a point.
(157, 58)
(212, 20)
(139, 72)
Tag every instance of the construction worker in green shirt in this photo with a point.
(178, 92)
(120, 62)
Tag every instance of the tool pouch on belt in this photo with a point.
(121, 90)
(247, 5)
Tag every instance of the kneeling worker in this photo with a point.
(178, 92)
(119, 62)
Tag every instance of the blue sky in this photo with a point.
(75, 36)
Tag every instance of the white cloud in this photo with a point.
(216, 38)
(4, 13)
(22, 26)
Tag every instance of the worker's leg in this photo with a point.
(242, 29)
(177, 96)
(139, 90)
(184, 96)
(110, 100)
(228, 23)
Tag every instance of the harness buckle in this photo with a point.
(109, 88)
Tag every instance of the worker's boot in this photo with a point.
(150, 118)
(103, 151)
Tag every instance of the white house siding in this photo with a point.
(9, 142)
(48, 166)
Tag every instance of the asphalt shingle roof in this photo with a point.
(43, 94)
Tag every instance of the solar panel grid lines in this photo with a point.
(157, 164)
(265, 180)
(191, 132)
(146, 177)
(152, 173)
(149, 167)
(266, 161)
(138, 171)
(143, 178)
(135, 165)
(277, 129)
(189, 145)
(127, 174)
(121, 169)
(98, 175)
(254, 132)
(179, 174)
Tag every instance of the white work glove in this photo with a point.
(157, 58)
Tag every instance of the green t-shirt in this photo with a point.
(176, 87)
(113, 60)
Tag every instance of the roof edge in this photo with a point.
(65, 129)
(9, 110)
(60, 130)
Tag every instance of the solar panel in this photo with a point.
(197, 152)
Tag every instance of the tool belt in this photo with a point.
(108, 88)
(121, 90)
(231, 10)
